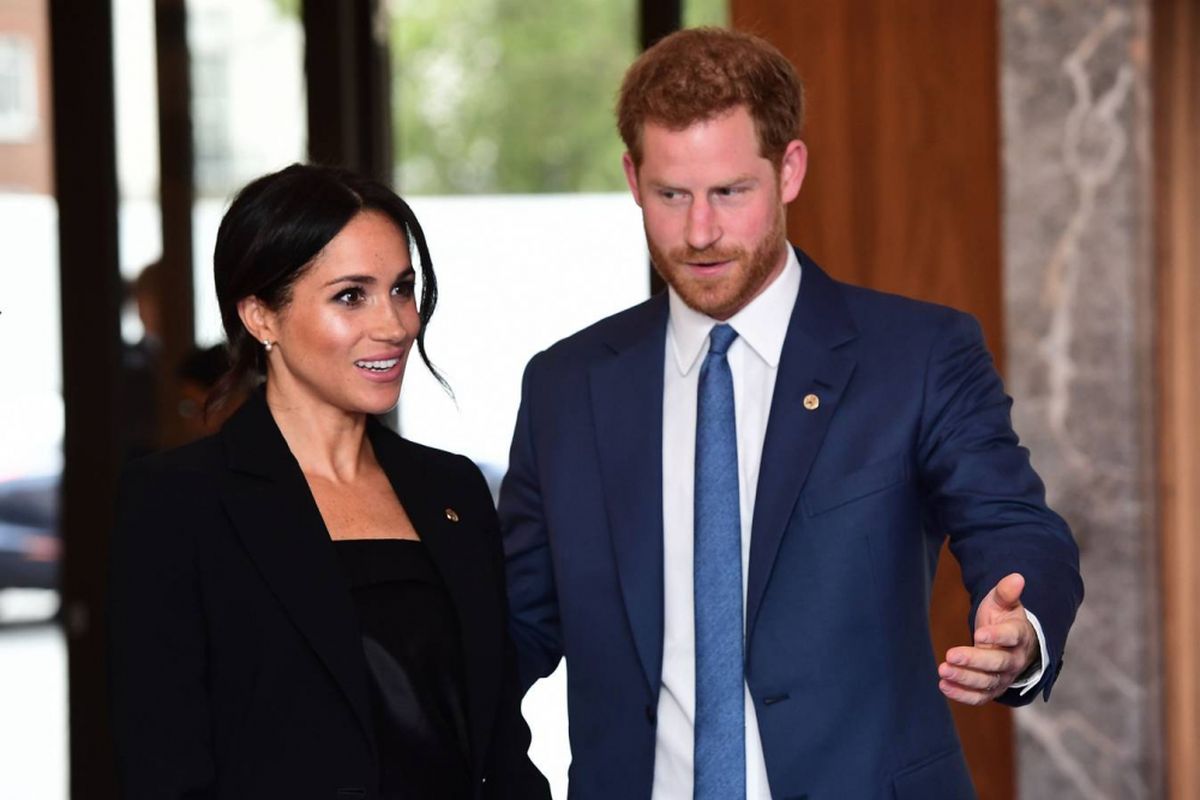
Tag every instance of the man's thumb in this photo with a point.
(1007, 594)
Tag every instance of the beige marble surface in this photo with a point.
(1075, 110)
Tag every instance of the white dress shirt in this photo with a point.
(754, 362)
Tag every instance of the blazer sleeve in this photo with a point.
(157, 648)
(532, 596)
(982, 492)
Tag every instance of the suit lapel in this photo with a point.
(626, 391)
(274, 514)
(814, 361)
(466, 575)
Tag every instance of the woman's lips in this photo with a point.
(381, 370)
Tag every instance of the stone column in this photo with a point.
(1078, 306)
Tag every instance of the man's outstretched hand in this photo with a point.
(1005, 646)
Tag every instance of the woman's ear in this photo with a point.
(258, 319)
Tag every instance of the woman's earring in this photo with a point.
(268, 344)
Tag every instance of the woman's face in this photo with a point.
(344, 338)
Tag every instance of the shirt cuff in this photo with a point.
(1033, 680)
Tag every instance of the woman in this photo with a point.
(305, 604)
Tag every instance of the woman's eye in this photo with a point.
(404, 289)
(349, 297)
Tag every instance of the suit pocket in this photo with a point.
(829, 494)
(945, 777)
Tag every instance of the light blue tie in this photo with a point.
(720, 748)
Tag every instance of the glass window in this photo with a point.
(18, 88)
(507, 149)
(248, 116)
(705, 12)
(33, 679)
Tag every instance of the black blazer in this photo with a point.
(237, 669)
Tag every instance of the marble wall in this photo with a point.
(1078, 306)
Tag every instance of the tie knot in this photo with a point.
(719, 339)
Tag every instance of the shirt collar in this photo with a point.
(762, 324)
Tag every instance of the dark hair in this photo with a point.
(697, 74)
(275, 227)
(204, 366)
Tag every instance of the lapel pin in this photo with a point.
(451, 515)
(812, 402)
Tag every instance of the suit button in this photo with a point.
(651, 715)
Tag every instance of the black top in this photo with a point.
(410, 637)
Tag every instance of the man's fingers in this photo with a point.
(1007, 593)
(971, 697)
(1001, 634)
(991, 682)
(981, 659)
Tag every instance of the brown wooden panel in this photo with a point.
(177, 195)
(346, 67)
(1176, 78)
(86, 188)
(903, 194)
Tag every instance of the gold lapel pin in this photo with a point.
(451, 515)
(812, 402)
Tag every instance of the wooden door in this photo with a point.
(903, 195)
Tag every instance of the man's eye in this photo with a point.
(349, 297)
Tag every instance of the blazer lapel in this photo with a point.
(465, 574)
(810, 364)
(276, 517)
(626, 391)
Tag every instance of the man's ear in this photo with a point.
(792, 169)
(258, 319)
(631, 177)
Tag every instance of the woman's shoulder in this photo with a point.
(435, 465)
(427, 456)
(192, 465)
(166, 499)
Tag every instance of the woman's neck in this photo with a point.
(327, 442)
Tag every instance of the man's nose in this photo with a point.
(703, 228)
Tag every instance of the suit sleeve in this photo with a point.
(532, 597)
(511, 775)
(982, 492)
(158, 648)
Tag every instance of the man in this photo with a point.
(724, 506)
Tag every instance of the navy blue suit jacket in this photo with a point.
(911, 443)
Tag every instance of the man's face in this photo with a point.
(713, 209)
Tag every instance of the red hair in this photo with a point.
(697, 74)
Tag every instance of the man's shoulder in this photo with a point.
(608, 335)
(885, 313)
(872, 307)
